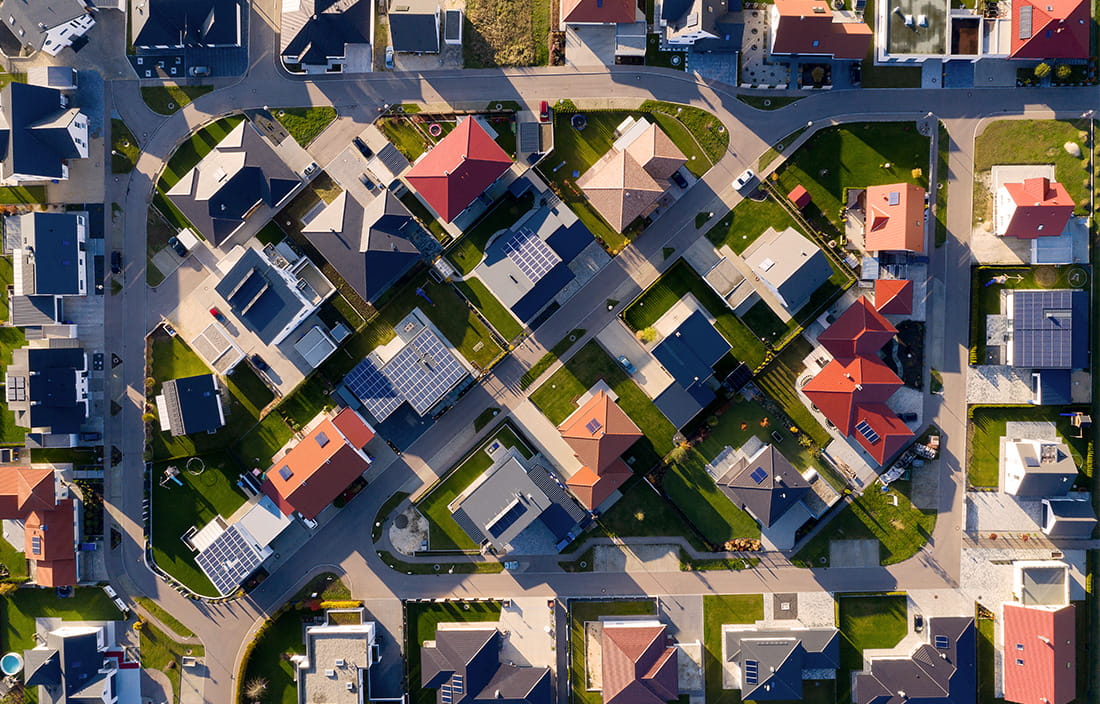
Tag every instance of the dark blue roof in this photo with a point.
(198, 403)
(35, 150)
(690, 352)
(568, 242)
(557, 520)
(52, 386)
(1050, 329)
(1055, 387)
(326, 32)
(258, 296)
(189, 23)
(57, 269)
(543, 292)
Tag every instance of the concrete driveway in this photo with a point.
(618, 340)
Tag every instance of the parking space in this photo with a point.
(620, 342)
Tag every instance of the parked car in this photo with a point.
(116, 262)
(217, 315)
(200, 70)
(174, 243)
(679, 179)
(366, 151)
(259, 363)
(918, 623)
(627, 365)
(310, 169)
(544, 112)
(744, 180)
(389, 57)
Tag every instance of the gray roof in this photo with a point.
(1042, 585)
(1050, 329)
(179, 23)
(1048, 471)
(194, 405)
(791, 264)
(51, 250)
(34, 131)
(941, 671)
(464, 666)
(1068, 518)
(29, 20)
(766, 484)
(779, 658)
(259, 296)
(320, 29)
(31, 311)
(67, 669)
(414, 25)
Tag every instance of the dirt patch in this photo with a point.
(501, 32)
(593, 653)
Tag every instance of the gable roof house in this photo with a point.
(685, 22)
(414, 26)
(171, 24)
(639, 665)
(859, 331)
(190, 405)
(82, 664)
(39, 133)
(1040, 654)
(326, 36)
(894, 218)
(34, 496)
(1047, 328)
(942, 670)
(1038, 468)
(458, 169)
(47, 25)
(789, 265)
(766, 484)
(49, 262)
(1036, 207)
(811, 28)
(772, 663)
(1070, 516)
(316, 470)
(599, 432)
(1050, 29)
(598, 11)
(47, 390)
(463, 664)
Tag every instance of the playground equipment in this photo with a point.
(195, 466)
(171, 474)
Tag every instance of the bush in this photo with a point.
(1042, 70)
(647, 335)
(341, 604)
(1063, 71)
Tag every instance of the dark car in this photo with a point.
(116, 262)
(362, 147)
(679, 179)
(259, 363)
(174, 243)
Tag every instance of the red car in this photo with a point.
(217, 315)
(544, 112)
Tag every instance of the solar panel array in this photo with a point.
(445, 694)
(533, 256)
(421, 373)
(867, 432)
(758, 475)
(228, 560)
(1043, 329)
(752, 672)
(942, 642)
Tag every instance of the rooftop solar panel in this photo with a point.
(942, 642)
(752, 671)
(593, 426)
(373, 388)
(758, 475)
(867, 431)
(1043, 331)
(507, 520)
(533, 256)
(228, 560)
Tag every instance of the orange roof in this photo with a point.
(592, 489)
(894, 296)
(800, 196)
(894, 218)
(860, 330)
(808, 27)
(24, 489)
(320, 466)
(840, 388)
(1040, 654)
(598, 11)
(599, 432)
(885, 433)
(49, 540)
(1050, 29)
(1043, 207)
(638, 666)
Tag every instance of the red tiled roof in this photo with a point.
(458, 169)
(1057, 29)
(860, 330)
(1043, 207)
(894, 218)
(894, 296)
(807, 27)
(888, 435)
(840, 388)
(598, 11)
(24, 489)
(599, 432)
(800, 196)
(320, 466)
(1040, 654)
(592, 489)
(638, 667)
(53, 533)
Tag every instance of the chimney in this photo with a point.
(1045, 639)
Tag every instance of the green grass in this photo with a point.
(404, 135)
(124, 148)
(763, 322)
(750, 219)
(986, 427)
(643, 513)
(531, 375)
(663, 59)
(421, 621)
(195, 148)
(304, 124)
(901, 530)
(167, 99)
(19, 610)
(305, 402)
(158, 612)
(478, 567)
(681, 279)
(10, 339)
(707, 129)
(270, 233)
(720, 610)
(986, 665)
(444, 532)
(421, 211)
(383, 513)
(873, 76)
(868, 623)
(779, 382)
(268, 659)
(485, 417)
(688, 485)
(557, 396)
(493, 310)
(852, 156)
(469, 250)
(772, 153)
(250, 388)
(160, 652)
(22, 195)
(13, 559)
(581, 612)
(256, 447)
(943, 170)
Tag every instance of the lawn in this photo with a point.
(469, 250)
(195, 148)
(901, 530)
(720, 610)
(168, 98)
(873, 76)
(419, 210)
(679, 280)
(704, 128)
(161, 652)
(986, 663)
(772, 153)
(493, 310)
(247, 386)
(643, 513)
(581, 612)
(21, 195)
(547, 360)
(14, 561)
(747, 221)
(779, 381)
(164, 617)
(304, 124)
(868, 622)
(408, 139)
(421, 621)
(986, 427)
(10, 339)
(500, 33)
(664, 59)
(763, 322)
(19, 609)
(268, 658)
(943, 170)
(444, 532)
(853, 156)
(557, 397)
(124, 148)
(691, 488)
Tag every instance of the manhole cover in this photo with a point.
(402, 522)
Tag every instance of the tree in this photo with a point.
(255, 688)
(1042, 70)
(647, 335)
(818, 74)
(1063, 71)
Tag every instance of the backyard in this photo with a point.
(643, 513)
(494, 311)
(267, 658)
(420, 623)
(408, 139)
(867, 622)
(468, 251)
(779, 381)
(987, 427)
(720, 610)
(501, 33)
(444, 533)
(168, 98)
(19, 609)
(160, 652)
(547, 360)
(581, 612)
(305, 124)
(691, 488)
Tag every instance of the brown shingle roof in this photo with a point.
(638, 667)
(599, 432)
(24, 489)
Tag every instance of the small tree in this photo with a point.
(647, 335)
(818, 74)
(255, 688)
(7, 588)
(1063, 71)
(1042, 70)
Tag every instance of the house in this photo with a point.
(639, 665)
(229, 550)
(1068, 517)
(36, 496)
(942, 670)
(894, 218)
(39, 133)
(74, 664)
(47, 390)
(1040, 653)
(463, 665)
(1035, 207)
(629, 181)
(337, 661)
(57, 77)
(327, 36)
(458, 169)
(1037, 468)
(812, 28)
(235, 179)
(894, 296)
(49, 263)
(772, 663)
(1050, 29)
(598, 11)
(789, 265)
(684, 22)
(1047, 329)
(178, 24)
(689, 354)
(414, 26)
(766, 485)
(48, 25)
(516, 505)
(599, 432)
(860, 331)
(190, 405)
(321, 465)
(370, 246)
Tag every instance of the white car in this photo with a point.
(746, 178)
(389, 57)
